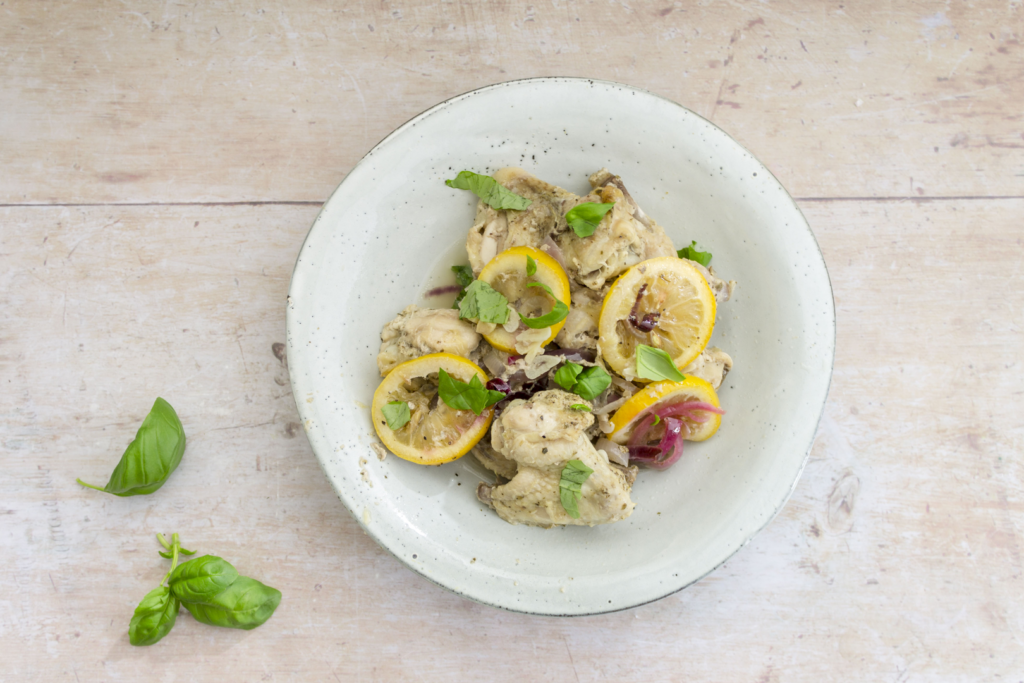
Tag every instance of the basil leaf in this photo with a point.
(557, 314)
(588, 383)
(201, 579)
(245, 604)
(151, 458)
(592, 382)
(655, 364)
(397, 414)
(583, 218)
(483, 303)
(463, 275)
(583, 407)
(489, 190)
(461, 395)
(531, 267)
(570, 486)
(693, 253)
(154, 617)
(566, 375)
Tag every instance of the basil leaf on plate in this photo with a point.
(584, 218)
(472, 395)
(484, 304)
(531, 266)
(570, 486)
(694, 253)
(397, 414)
(245, 604)
(588, 383)
(557, 314)
(592, 382)
(655, 364)
(493, 193)
(154, 617)
(566, 375)
(151, 457)
(200, 579)
(463, 276)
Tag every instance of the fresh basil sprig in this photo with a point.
(588, 383)
(463, 276)
(557, 314)
(570, 486)
(151, 457)
(472, 395)
(483, 303)
(489, 190)
(655, 364)
(694, 253)
(397, 414)
(584, 218)
(209, 588)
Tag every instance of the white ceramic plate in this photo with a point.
(391, 230)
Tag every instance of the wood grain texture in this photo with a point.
(898, 557)
(229, 101)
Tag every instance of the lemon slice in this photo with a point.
(657, 397)
(676, 314)
(435, 433)
(506, 273)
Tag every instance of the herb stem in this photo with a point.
(175, 547)
(98, 488)
(163, 541)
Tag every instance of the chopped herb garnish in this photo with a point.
(531, 267)
(397, 414)
(583, 407)
(484, 304)
(588, 383)
(570, 486)
(555, 315)
(472, 395)
(657, 419)
(655, 364)
(694, 253)
(489, 190)
(583, 218)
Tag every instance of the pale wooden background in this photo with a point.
(160, 164)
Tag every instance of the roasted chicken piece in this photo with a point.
(419, 331)
(580, 330)
(541, 436)
(495, 231)
(712, 365)
(625, 236)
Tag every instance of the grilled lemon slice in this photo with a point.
(435, 433)
(506, 273)
(662, 302)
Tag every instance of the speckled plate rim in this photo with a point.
(313, 430)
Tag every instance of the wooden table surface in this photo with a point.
(161, 164)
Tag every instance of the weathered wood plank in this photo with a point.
(898, 557)
(229, 101)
